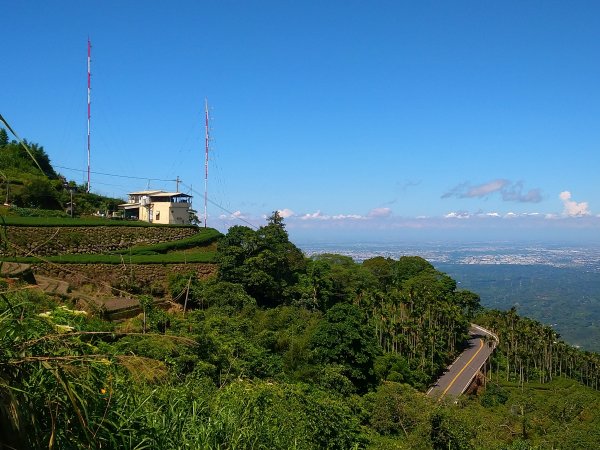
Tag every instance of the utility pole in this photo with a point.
(89, 87)
(177, 180)
(207, 138)
(7, 181)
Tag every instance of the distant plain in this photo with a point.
(556, 284)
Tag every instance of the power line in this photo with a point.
(3, 120)
(160, 179)
(222, 208)
(115, 175)
(110, 184)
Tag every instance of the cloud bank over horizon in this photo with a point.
(574, 221)
(480, 223)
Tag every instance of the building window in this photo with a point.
(158, 215)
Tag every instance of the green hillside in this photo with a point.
(279, 351)
(35, 191)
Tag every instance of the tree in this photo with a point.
(345, 338)
(42, 158)
(394, 367)
(409, 266)
(315, 286)
(449, 431)
(15, 156)
(146, 304)
(38, 192)
(264, 261)
(223, 293)
(382, 268)
(469, 301)
(3, 137)
(349, 280)
(398, 409)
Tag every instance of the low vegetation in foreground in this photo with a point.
(279, 351)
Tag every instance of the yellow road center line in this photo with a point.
(464, 367)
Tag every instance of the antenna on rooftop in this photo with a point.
(207, 138)
(89, 86)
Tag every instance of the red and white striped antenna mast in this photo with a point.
(206, 142)
(89, 87)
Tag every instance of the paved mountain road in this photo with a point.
(459, 375)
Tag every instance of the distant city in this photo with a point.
(555, 255)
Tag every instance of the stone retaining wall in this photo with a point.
(49, 241)
(132, 278)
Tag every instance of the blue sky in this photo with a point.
(380, 120)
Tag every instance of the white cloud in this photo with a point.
(491, 214)
(314, 216)
(318, 215)
(380, 212)
(457, 215)
(348, 216)
(232, 216)
(286, 212)
(572, 208)
(374, 214)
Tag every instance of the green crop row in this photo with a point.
(201, 239)
(170, 258)
(18, 221)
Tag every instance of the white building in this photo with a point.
(158, 207)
